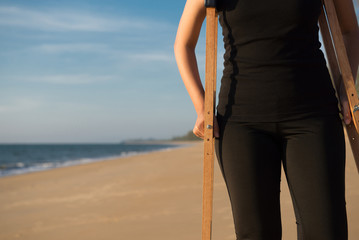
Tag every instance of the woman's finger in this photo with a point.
(216, 128)
(345, 109)
(346, 112)
(198, 132)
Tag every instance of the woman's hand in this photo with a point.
(344, 103)
(198, 129)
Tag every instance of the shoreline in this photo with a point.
(45, 166)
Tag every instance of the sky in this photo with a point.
(90, 71)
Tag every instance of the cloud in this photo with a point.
(69, 20)
(162, 57)
(72, 47)
(76, 79)
(20, 104)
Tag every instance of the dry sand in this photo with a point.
(156, 196)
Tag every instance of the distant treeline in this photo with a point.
(188, 137)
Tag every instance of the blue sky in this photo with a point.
(91, 71)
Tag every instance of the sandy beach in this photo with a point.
(154, 196)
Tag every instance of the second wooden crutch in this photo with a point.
(340, 69)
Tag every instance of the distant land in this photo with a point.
(189, 136)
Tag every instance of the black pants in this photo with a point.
(312, 151)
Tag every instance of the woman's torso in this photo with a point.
(274, 69)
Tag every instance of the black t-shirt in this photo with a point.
(274, 69)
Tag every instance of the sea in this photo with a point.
(24, 158)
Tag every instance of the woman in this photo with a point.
(276, 106)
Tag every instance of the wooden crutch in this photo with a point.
(209, 108)
(340, 69)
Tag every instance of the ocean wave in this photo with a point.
(23, 167)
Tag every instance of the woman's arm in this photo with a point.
(186, 40)
(349, 26)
